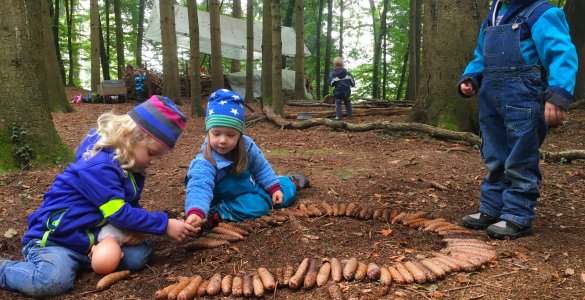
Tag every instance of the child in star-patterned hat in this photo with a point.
(230, 178)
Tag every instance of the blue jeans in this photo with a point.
(338, 110)
(513, 128)
(51, 270)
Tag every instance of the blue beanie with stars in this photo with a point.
(225, 108)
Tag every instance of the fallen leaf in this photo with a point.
(311, 237)
(386, 232)
(462, 279)
(521, 255)
(555, 276)
(583, 277)
(409, 251)
(569, 272)
(10, 233)
(435, 294)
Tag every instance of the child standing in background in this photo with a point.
(524, 69)
(342, 81)
(230, 178)
(103, 186)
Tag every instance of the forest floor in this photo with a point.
(378, 169)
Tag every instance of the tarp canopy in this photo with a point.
(233, 34)
(237, 82)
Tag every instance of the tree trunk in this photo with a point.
(27, 135)
(402, 75)
(55, 13)
(140, 34)
(194, 60)
(95, 45)
(450, 35)
(236, 13)
(249, 97)
(385, 67)
(318, 51)
(414, 39)
(287, 21)
(377, 48)
(216, 65)
(341, 8)
(300, 51)
(104, 57)
(171, 88)
(277, 101)
(108, 36)
(69, 9)
(575, 10)
(119, 39)
(328, 44)
(266, 83)
(55, 89)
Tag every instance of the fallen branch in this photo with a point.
(577, 104)
(440, 133)
(356, 112)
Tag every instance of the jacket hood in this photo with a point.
(340, 73)
(514, 8)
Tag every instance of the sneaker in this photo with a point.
(300, 181)
(478, 221)
(503, 230)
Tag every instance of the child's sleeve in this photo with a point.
(473, 71)
(200, 182)
(558, 55)
(352, 80)
(101, 184)
(261, 169)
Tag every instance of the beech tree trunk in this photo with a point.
(95, 45)
(236, 13)
(194, 60)
(414, 41)
(287, 21)
(450, 35)
(216, 66)
(328, 45)
(140, 33)
(171, 88)
(69, 9)
(318, 51)
(27, 135)
(277, 99)
(266, 83)
(55, 14)
(119, 39)
(300, 50)
(249, 97)
(377, 56)
(575, 10)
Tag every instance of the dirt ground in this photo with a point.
(377, 169)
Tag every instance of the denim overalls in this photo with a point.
(238, 197)
(511, 116)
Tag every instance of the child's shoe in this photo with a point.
(503, 230)
(300, 181)
(478, 221)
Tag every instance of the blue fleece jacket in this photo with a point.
(544, 40)
(87, 195)
(342, 81)
(202, 175)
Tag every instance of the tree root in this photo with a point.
(440, 133)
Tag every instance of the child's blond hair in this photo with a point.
(237, 155)
(338, 62)
(120, 133)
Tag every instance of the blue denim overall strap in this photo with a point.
(238, 197)
(512, 125)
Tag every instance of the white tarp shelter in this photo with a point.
(237, 82)
(233, 34)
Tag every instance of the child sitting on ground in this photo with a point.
(103, 186)
(230, 178)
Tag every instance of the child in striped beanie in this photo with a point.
(101, 188)
(230, 178)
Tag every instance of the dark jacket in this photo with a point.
(342, 80)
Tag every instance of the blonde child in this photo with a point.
(230, 178)
(342, 81)
(102, 186)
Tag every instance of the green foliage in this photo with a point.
(22, 151)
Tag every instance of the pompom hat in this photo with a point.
(160, 118)
(225, 108)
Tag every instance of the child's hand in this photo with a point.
(554, 115)
(277, 197)
(195, 220)
(467, 88)
(179, 230)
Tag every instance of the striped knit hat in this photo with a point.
(160, 118)
(226, 109)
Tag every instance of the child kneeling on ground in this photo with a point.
(230, 179)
